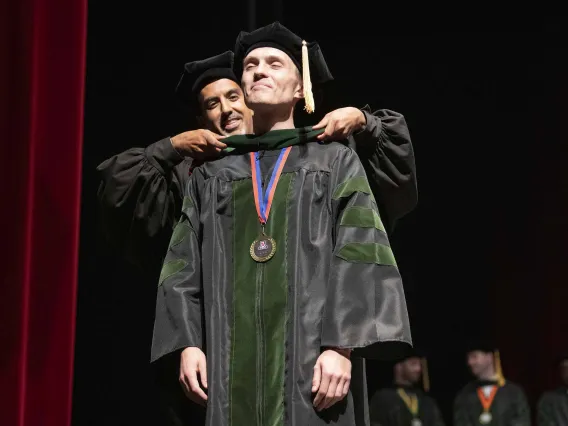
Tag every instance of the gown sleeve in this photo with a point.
(522, 412)
(545, 411)
(365, 307)
(179, 301)
(140, 197)
(386, 152)
(438, 418)
(460, 416)
(380, 410)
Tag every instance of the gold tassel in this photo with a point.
(498, 369)
(425, 376)
(308, 95)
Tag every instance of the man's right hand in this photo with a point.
(192, 363)
(198, 144)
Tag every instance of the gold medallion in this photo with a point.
(263, 248)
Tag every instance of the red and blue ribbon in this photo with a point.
(263, 201)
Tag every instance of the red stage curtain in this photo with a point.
(42, 68)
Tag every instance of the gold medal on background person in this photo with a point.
(486, 402)
(411, 402)
(485, 418)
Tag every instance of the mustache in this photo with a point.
(232, 116)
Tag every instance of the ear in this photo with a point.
(299, 91)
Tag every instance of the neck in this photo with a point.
(400, 381)
(269, 119)
(488, 374)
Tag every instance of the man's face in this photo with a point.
(270, 78)
(564, 371)
(223, 108)
(411, 369)
(479, 362)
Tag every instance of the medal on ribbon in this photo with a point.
(485, 418)
(411, 402)
(263, 248)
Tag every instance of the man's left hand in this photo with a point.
(332, 376)
(341, 123)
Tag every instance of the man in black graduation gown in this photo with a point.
(282, 258)
(552, 407)
(489, 399)
(141, 189)
(405, 403)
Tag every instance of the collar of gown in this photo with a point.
(273, 140)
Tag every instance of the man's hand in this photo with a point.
(193, 362)
(198, 144)
(332, 376)
(341, 123)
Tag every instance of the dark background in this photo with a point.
(484, 252)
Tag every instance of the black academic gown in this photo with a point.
(333, 282)
(140, 197)
(388, 409)
(509, 408)
(552, 409)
